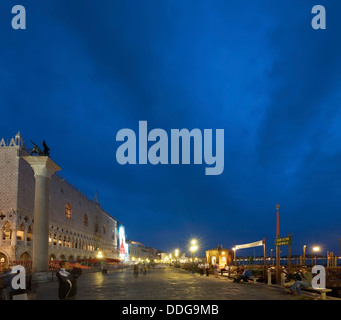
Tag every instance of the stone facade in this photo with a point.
(78, 226)
(138, 251)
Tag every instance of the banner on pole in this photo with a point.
(249, 245)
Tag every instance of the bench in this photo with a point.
(254, 279)
(323, 292)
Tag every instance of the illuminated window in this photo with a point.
(2, 263)
(29, 233)
(7, 232)
(68, 211)
(20, 232)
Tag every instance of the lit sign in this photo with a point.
(123, 247)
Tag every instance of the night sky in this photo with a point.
(83, 70)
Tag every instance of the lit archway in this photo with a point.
(3, 261)
(25, 257)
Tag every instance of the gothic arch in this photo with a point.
(52, 257)
(25, 256)
(7, 231)
(3, 261)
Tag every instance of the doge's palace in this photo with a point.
(78, 226)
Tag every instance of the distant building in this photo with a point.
(163, 256)
(138, 251)
(220, 255)
(78, 226)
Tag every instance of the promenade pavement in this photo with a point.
(163, 284)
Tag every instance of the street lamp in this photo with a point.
(304, 254)
(193, 248)
(315, 249)
(278, 276)
(234, 255)
(176, 253)
(100, 258)
(277, 221)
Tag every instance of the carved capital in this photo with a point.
(42, 165)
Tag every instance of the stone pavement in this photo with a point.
(163, 284)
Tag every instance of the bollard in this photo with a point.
(282, 279)
(269, 277)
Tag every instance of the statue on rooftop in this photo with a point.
(38, 151)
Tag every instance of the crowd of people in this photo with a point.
(294, 282)
(243, 273)
(68, 274)
(142, 268)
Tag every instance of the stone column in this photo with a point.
(14, 235)
(25, 237)
(43, 168)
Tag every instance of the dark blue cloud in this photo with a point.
(82, 71)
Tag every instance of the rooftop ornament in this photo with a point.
(38, 151)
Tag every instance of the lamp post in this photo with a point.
(176, 253)
(100, 255)
(278, 276)
(234, 255)
(304, 247)
(193, 248)
(315, 249)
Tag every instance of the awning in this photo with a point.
(112, 260)
(108, 260)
